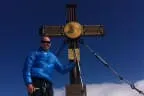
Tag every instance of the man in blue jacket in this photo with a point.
(38, 68)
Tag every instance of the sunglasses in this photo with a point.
(45, 41)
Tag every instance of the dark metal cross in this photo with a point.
(71, 31)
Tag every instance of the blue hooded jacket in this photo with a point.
(41, 64)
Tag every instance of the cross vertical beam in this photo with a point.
(73, 44)
(71, 12)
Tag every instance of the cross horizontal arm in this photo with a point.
(56, 31)
(93, 30)
(51, 30)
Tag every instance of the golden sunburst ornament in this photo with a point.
(73, 30)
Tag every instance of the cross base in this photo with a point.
(75, 90)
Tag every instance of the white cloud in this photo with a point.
(108, 89)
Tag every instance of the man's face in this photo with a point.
(45, 43)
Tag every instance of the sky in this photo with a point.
(121, 46)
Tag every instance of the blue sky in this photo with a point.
(122, 45)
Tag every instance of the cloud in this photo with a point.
(108, 89)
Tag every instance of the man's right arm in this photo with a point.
(29, 61)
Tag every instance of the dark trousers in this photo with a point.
(44, 87)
